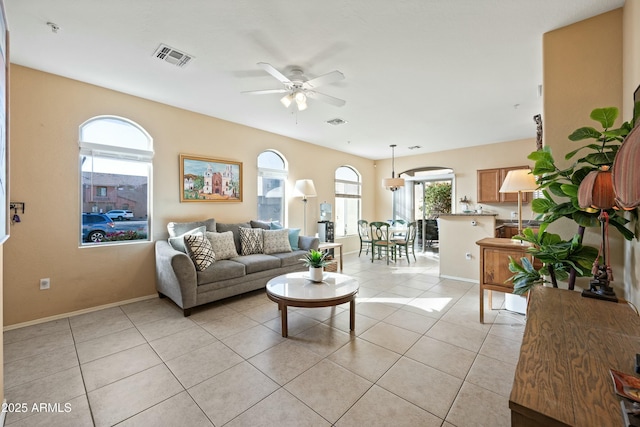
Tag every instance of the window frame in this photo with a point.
(271, 173)
(338, 196)
(114, 150)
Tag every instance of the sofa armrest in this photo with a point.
(175, 275)
(308, 242)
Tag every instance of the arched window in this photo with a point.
(115, 181)
(272, 176)
(348, 193)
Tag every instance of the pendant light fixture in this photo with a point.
(392, 183)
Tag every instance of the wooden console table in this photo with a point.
(494, 266)
(569, 345)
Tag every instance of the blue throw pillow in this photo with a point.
(293, 238)
(275, 225)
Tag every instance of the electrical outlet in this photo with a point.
(514, 215)
(467, 255)
(45, 284)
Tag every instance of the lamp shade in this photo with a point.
(596, 190)
(626, 173)
(306, 188)
(519, 180)
(392, 183)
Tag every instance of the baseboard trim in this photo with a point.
(461, 279)
(75, 313)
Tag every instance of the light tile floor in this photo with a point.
(418, 356)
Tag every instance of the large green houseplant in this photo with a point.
(568, 259)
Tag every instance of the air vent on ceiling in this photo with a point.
(336, 122)
(172, 56)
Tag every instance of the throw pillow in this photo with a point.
(223, 244)
(293, 238)
(235, 229)
(260, 224)
(251, 241)
(177, 228)
(276, 241)
(275, 225)
(177, 242)
(199, 250)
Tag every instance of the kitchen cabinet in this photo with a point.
(489, 183)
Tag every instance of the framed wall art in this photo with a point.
(204, 179)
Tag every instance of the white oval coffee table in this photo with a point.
(297, 290)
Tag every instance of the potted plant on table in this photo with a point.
(316, 261)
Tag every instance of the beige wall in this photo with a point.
(582, 71)
(630, 81)
(46, 111)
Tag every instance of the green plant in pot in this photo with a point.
(559, 258)
(560, 200)
(316, 261)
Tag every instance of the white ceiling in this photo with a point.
(440, 74)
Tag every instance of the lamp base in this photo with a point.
(600, 290)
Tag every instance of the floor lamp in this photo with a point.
(306, 189)
(519, 181)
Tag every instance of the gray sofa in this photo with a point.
(178, 278)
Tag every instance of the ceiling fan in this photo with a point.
(298, 88)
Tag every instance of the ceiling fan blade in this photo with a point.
(275, 73)
(326, 98)
(324, 79)
(265, 92)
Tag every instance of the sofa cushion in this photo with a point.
(275, 225)
(220, 271)
(276, 241)
(177, 228)
(265, 225)
(258, 262)
(288, 259)
(293, 238)
(235, 229)
(199, 250)
(251, 241)
(223, 244)
(177, 242)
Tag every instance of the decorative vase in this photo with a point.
(315, 273)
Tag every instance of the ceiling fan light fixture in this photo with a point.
(286, 100)
(301, 101)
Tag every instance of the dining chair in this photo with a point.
(408, 242)
(398, 229)
(431, 234)
(365, 238)
(380, 240)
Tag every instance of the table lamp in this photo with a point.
(519, 181)
(596, 191)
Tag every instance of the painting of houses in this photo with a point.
(210, 180)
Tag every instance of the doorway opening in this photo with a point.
(428, 192)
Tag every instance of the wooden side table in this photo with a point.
(330, 245)
(494, 266)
